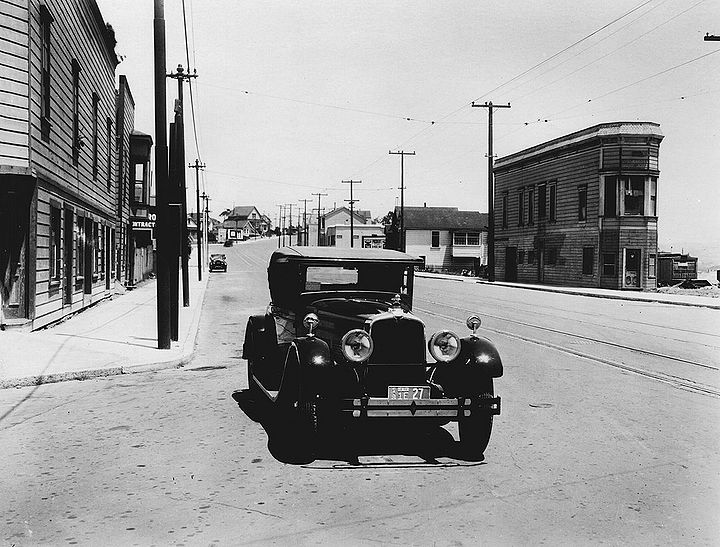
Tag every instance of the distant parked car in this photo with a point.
(339, 342)
(218, 262)
(228, 243)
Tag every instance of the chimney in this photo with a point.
(424, 203)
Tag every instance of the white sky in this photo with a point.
(281, 85)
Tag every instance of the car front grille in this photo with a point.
(398, 340)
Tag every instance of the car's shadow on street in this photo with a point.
(352, 441)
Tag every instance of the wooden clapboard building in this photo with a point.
(581, 210)
(59, 140)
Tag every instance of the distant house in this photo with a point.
(341, 215)
(212, 227)
(243, 222)
(444, 237)
(366, 236)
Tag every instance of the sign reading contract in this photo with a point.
(149, 223)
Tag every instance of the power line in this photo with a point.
(610, 52)
(637, 82)
(192, 100)
(323, 105)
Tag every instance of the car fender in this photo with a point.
(480, 352)
(310, 373)
(265, 339)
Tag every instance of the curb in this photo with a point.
(88, 374)
(571, 293)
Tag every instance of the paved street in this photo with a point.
(596, 443)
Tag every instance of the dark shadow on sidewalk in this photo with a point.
(346, 442)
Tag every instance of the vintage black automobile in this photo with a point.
(339, 342)
(218, 262)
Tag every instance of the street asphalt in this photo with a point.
(119, 335)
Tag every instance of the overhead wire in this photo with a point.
(525, 72)
(190, 86)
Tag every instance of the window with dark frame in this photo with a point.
(95, 104)
(608, 267)
(521, 256)
(45, 81)
(542, 201)
(435, 239)
(588, 258)
(505, 210)
(610, 202)
(531, 257)
(55, 256)
(552, 201)
(551, 256)
(79, 251)
(582, 203)
(109, 135)
(633, 195)
(521, 207)
(531, 206)
(653, 197)
(75, 112)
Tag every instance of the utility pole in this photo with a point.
(164, 249)
(352, 214)
(319, 195)
(289, 225)
(402, 155)
(179, 172)
(206, 239)
(305, 234)
(279, 223)
(197, 166)
(491, 187)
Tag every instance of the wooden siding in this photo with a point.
(75, 34)
(14, 83)
(557, 245)
(49, 305)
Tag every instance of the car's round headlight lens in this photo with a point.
(444, 346)
(357, 346)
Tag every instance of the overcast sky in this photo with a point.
(294, 97)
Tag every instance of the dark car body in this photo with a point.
(218, 262)
(340, 340)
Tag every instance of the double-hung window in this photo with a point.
(435, 239)
(75, 112)
(45, 82)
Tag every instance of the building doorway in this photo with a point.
(631, 276)
(14, 228)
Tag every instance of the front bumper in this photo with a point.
(378, 407)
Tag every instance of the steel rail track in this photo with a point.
(677, 381)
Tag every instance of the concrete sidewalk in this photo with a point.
(662, 298)
(116, 336)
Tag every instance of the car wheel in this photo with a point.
(475, 430)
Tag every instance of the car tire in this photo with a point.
(475, 430)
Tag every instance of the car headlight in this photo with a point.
(357, 346)
(444, 346)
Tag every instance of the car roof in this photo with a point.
(333, 254)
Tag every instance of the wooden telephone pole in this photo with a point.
(491, 188)
(402, 155)
(352, 201)
(319, 195)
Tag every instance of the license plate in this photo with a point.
(408, 393)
